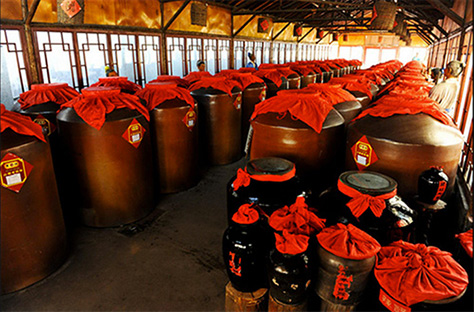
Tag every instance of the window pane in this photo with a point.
(176, 56)
(388, 55)
(224, 54)
(13, 72)
(210, 55)
(150, 57)
(238, 52)
(93, 56)
(124, 56)
(371, 57)
(194, 48)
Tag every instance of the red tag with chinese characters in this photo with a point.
(363, 153)
(15, 171)
(343, 284)
(264, 25)
(238, 101)
(70, 7)
(235, 268)
(190, 119)
(134, 133)
(441, 189)
(299, 30)
(263, 95)
(391, 304)
(45, 123)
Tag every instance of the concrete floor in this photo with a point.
(173, 263)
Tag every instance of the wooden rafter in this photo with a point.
(437, 4)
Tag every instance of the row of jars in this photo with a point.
(327, 255)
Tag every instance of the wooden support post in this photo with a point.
(237, 301)
(31, 59)
(163, 47)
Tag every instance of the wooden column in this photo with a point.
(31, 58)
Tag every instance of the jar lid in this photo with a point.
(114, 78)
(270, 166)
(161, 85)
(100, 90)
(368, 182)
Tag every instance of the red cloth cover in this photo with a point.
(286, 71)
(245, 79)
(247, 70)
(122, 82)
(219, 83)
(302, 69)
(414, 273)
(20, 124)
(352, 84)
(155, 94)
(58, 93)
(348, 242)
(466, 241)
(390, 105)
(245, 215)
(226, 72)
(195, 76)
(412, 87)
(271, 74)
(291, 244)
(310, 108)
(371, 74)
(360, 202)
(165, 78)
(297, 219)
(95, 103)
(243, 178)
(334, 94)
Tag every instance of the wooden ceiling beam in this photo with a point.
(438, 5)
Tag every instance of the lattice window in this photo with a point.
(282, 54)
(149, 61)
(124, 54)
(258, 50)
(249, 48)
(176, 56)
(194, 53)
(276, 52)
(13, 69)
(291, 56)
(266, 52)
(224, 54)
(238, 54)
(210, 55)
(93, 56)
(57, 60)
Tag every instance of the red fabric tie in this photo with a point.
(348, 242)
(165, 78)
(360, 202)
(291, 244)
(95, 103)
(20, 124)
(195, 76)
(58, 93)
(270, 74)
(245, 79)
(352, 84)
(414, 273)
(245, 215)
(296, 219)
(243, 178)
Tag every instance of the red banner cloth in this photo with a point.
(466, 241)
(270, 74)
(156, 93)
(390, 105)
(348, 242)
(195, 76)
(58, 93)
(122, 82)
(165, 78)
(20, 124)
(219, 83)
(296, 219)
(310, 108)
(414, 273)
(360, 202)
(243, 178)
(291, 244)
(353, 84)
(95, 103)
(245, 215)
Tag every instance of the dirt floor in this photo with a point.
(169, 261)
